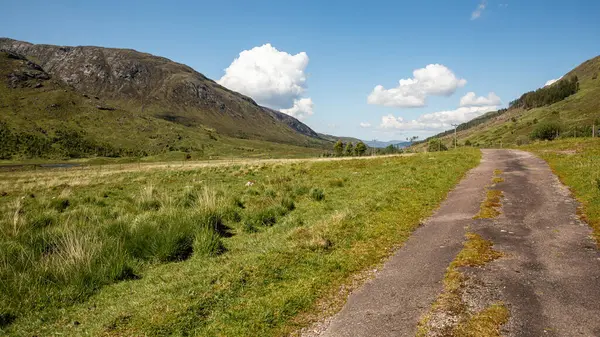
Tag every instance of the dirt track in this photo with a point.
(549, 278)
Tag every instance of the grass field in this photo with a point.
(186, 250)
(577, 164)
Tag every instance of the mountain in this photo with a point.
(381, 144)
(127, 101)
(334, 139)
(570, 107)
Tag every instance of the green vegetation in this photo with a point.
(43, 119)
(547, 95)
(489, 207)
(486, 323)
(348, 149)
(569, 106)
(450, 303)
(173, 250)
(435, 144)
(576, 162)
(546, 131)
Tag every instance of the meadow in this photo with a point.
(576, 161)
(249, 248)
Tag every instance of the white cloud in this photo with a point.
(301, 109)
(365, 125)
(433, 80)
(480, 8)
(436, 121)
(470, 99)
(272, 78)
(550, 82)
(503, 5)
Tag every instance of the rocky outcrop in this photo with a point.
(28, 74)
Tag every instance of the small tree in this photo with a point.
(349, 149)
(435, 144)
(338, 148)
(467, 142)
(546, 131)
(360, 148)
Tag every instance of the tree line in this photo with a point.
(341, 149)
(547, 95)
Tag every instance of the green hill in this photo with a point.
(571, 104)
(74, 102)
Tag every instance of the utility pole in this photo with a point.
(455, 140)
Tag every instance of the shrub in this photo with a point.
(317, 194)
(436, 144)
(467, 142)
(546, 131)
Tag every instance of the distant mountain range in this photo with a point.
(380, 144)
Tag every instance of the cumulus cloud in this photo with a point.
(471, 99)
(550, 82)
(272, 78)
(365, 125)
(479, 10)
(433, 80)
(436, 121)
(301, 109)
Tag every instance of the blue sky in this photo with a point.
(351, 47)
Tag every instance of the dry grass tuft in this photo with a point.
(489, 207)
(486, 323)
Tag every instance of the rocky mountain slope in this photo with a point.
(138, 95)
(575, 114)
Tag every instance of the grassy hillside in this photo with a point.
(575, 114)
(42, 117)
(197, 252)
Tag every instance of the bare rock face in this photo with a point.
(28, 74)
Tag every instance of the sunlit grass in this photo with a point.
(197, 251)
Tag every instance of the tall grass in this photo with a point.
(216, 257)
(53, 254)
